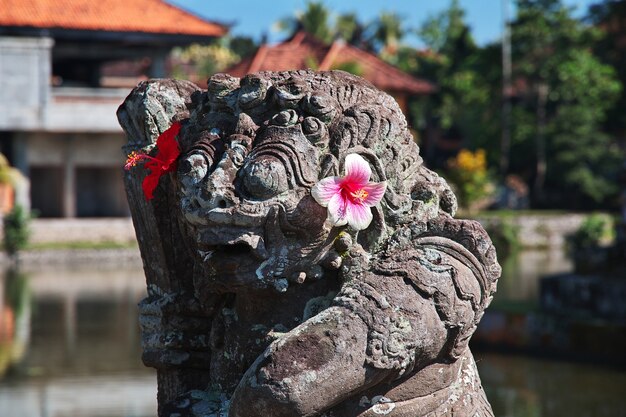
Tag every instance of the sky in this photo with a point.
(256, 18)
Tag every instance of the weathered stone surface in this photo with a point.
(257, 306)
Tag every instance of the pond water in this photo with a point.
(69, 347)
(521, 274)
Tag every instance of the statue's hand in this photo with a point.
(308, 370)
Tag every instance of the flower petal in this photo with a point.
(168, 148)
(357, 169)
(337, 210)
(325, 189)
(359, 216)
(150, 183)
(375, 192)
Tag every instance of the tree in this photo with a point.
(349, 28)
(16, 231)
(381, 35)
(242, 46)
(608, 16)
(388, 33)
(564, 93)
(314, 20)
(464, 103)
(202, 61)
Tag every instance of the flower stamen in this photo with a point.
(136, 157)
(133, 159)
(359, 196)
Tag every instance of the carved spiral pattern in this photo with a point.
(391, 344)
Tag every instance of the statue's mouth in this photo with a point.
(230, 243)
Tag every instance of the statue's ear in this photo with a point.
(148, 111)
(447, 273)
(471, 290)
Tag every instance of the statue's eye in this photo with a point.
(265, 178)
(238, 155)
(192, 169)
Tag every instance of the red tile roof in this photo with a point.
(149, 16)
(304, 51)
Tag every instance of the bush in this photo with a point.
(16, 230)
(595, 231)
(505, 237)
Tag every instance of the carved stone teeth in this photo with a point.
(195, 217)
(281, 285)
(206, 255)
(333, 260)
(315, 272)
(301, 277)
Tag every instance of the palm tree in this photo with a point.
(389, 32)
(314, 20)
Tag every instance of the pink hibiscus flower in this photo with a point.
(349, 198)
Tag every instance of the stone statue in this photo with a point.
(261, 300)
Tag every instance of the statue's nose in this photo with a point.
(217, 193)
(209, 189)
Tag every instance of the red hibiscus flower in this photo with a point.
(164, 161)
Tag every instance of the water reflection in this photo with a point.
(69, 344)
(521, 273)
(15, 315)
(524, 387)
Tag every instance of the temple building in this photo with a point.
(65, 67)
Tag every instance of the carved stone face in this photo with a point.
(247, 201)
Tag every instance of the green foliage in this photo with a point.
(468, 78)
(382, 35)
(16, 290)
(349, 28)
(16, 230)
(388, 33)
(242, 46)
(205, 60)
(565, 83)
(608, 15)
(353, 67)
(446, 33)
(505, 237)
(596, 230)
(564, 94)
(314, 20)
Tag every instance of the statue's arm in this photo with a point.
(308, 370)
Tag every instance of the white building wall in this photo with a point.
(84, 110)
(25, 68)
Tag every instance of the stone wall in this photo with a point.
(118, 230)
(540, 231)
